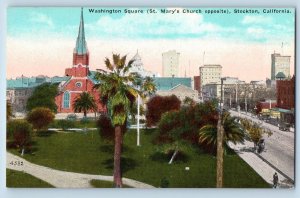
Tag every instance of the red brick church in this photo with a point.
(81, 78)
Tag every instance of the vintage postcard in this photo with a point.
(120, 97)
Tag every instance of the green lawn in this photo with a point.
(88, 153)
(17, 179)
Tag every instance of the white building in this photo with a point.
(232, 81)
(280, 64)
(181, 91)
(210, 80)
(170, 63)
(138, 67)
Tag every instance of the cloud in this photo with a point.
(257, 33)
(41, 19)
(256, 19)
(154, 26)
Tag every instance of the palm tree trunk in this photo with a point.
(220, 151)
(117, 157)
(84, 114)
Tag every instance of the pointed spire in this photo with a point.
(81, 47)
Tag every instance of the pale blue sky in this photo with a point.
(40, 38)
(39, 21)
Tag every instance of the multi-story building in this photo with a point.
(286, 93)
(170, 63)
(279, 64)
(197, 85)
(286, 99)
(210, 80)
(18, 90)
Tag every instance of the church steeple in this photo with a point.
(80, 42)
(81, 54)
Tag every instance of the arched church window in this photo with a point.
(66, 100)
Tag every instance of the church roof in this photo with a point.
(81, 47)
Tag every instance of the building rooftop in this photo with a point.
(167, 83)
(210, 65)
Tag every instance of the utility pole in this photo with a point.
(230, 100)
(246, 101)
(220, 149)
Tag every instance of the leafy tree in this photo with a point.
(84, 103)
(177, 128)
(232, 133)
(43, 96)
(119, 89)
(40, 117)
(188, 101)
(9, 113)
(255, 132)
(158, 105)
(20, 132)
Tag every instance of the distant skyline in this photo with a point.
(41, 40)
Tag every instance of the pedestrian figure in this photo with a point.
(275, 180)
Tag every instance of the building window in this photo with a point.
(66, 100)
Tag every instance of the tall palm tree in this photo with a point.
(232, 133)
(84, 103)
(216, 137)
(119, 88)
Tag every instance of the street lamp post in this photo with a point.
(138, 121)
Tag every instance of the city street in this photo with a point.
(279, 147)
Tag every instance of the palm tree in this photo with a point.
(216, 137)
(232, 133)
(84, 103)
(119, 89)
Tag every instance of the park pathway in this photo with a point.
(63, 179)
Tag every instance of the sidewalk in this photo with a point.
(64, 179)
(259, 165)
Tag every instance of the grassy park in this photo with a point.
(89, 153)
(17, 179)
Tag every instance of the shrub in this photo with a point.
(158, 105)
(65, 124)
(19, 131)
(40, 117)
(164, 183)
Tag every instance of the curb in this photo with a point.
(279, 171)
